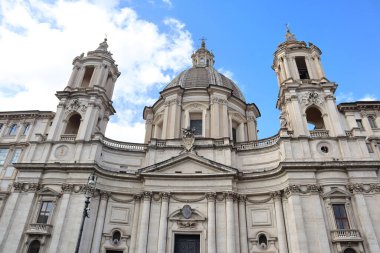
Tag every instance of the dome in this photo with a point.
(202, 74)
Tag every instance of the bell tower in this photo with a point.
(86, 103)
(306, 97)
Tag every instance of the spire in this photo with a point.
(289, 36)
(203, 57)
(203, 44)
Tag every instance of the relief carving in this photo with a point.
(311, 98)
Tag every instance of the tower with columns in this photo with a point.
(85, 104)
(202, 181)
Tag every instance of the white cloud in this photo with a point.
(368, 97)
(349, 97)
(345, 97)
(168, 2)
(38, 41)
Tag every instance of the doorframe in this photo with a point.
(192, 232)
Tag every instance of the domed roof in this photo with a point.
(202, 74)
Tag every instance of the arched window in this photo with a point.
(73, 124)
(34, 247)
(314, 119)
(87, 76)
(116, 237)
(263, 241)
(349, 250)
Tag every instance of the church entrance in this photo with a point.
(186, 243)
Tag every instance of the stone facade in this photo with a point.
(201, 173)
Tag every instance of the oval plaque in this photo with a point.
(186, 211)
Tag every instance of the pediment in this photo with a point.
(188, 164)
(49, 192)
(336, 193)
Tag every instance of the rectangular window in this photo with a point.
(372, 122)
(1, 126)
(26, 129)
(234, 135)
(16, 155)
(302, 68)
(45, 211)
(360, 124)
(3, 155)
(196, 123)
(369, 147)
(341, 216)
(13, 129)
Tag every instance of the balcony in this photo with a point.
(68, 137)
(319, 133)
(39, 229)
(345, 235)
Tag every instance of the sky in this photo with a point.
(152, 41)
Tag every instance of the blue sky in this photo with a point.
(152, 41)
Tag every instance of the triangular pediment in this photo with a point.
(48, 192)
(336, 193)
(188, 164)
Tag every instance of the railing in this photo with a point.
(345, 235)
(258, 144)
(319, 133)
(68, 137)
(39, 228)
(123, 145)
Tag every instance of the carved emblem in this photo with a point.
(75, 105)
(312, 98)
(186, 224)
(186, 211)
(188, 138)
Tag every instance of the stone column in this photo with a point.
(297, 236)
(60, 218)
(364, 217)
(287, 71)
(135, 225)
(215, 127)
(281, 233)
(243, 225)
(236, 219)
(144, 223)
(211, 226)
(230, 222)
(100, 222)
(161, 248)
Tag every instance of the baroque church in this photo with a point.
(202, 181)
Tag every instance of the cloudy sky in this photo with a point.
(152, 40)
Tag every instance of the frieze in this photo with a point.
(230, 195)
(363, 188)
(216, 100)
(302, 189)
(176, 101)
(276, 195)
(211, 196)
(292, 189)
(314, 188)
(26, 187)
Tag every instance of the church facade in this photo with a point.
(202, 181)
